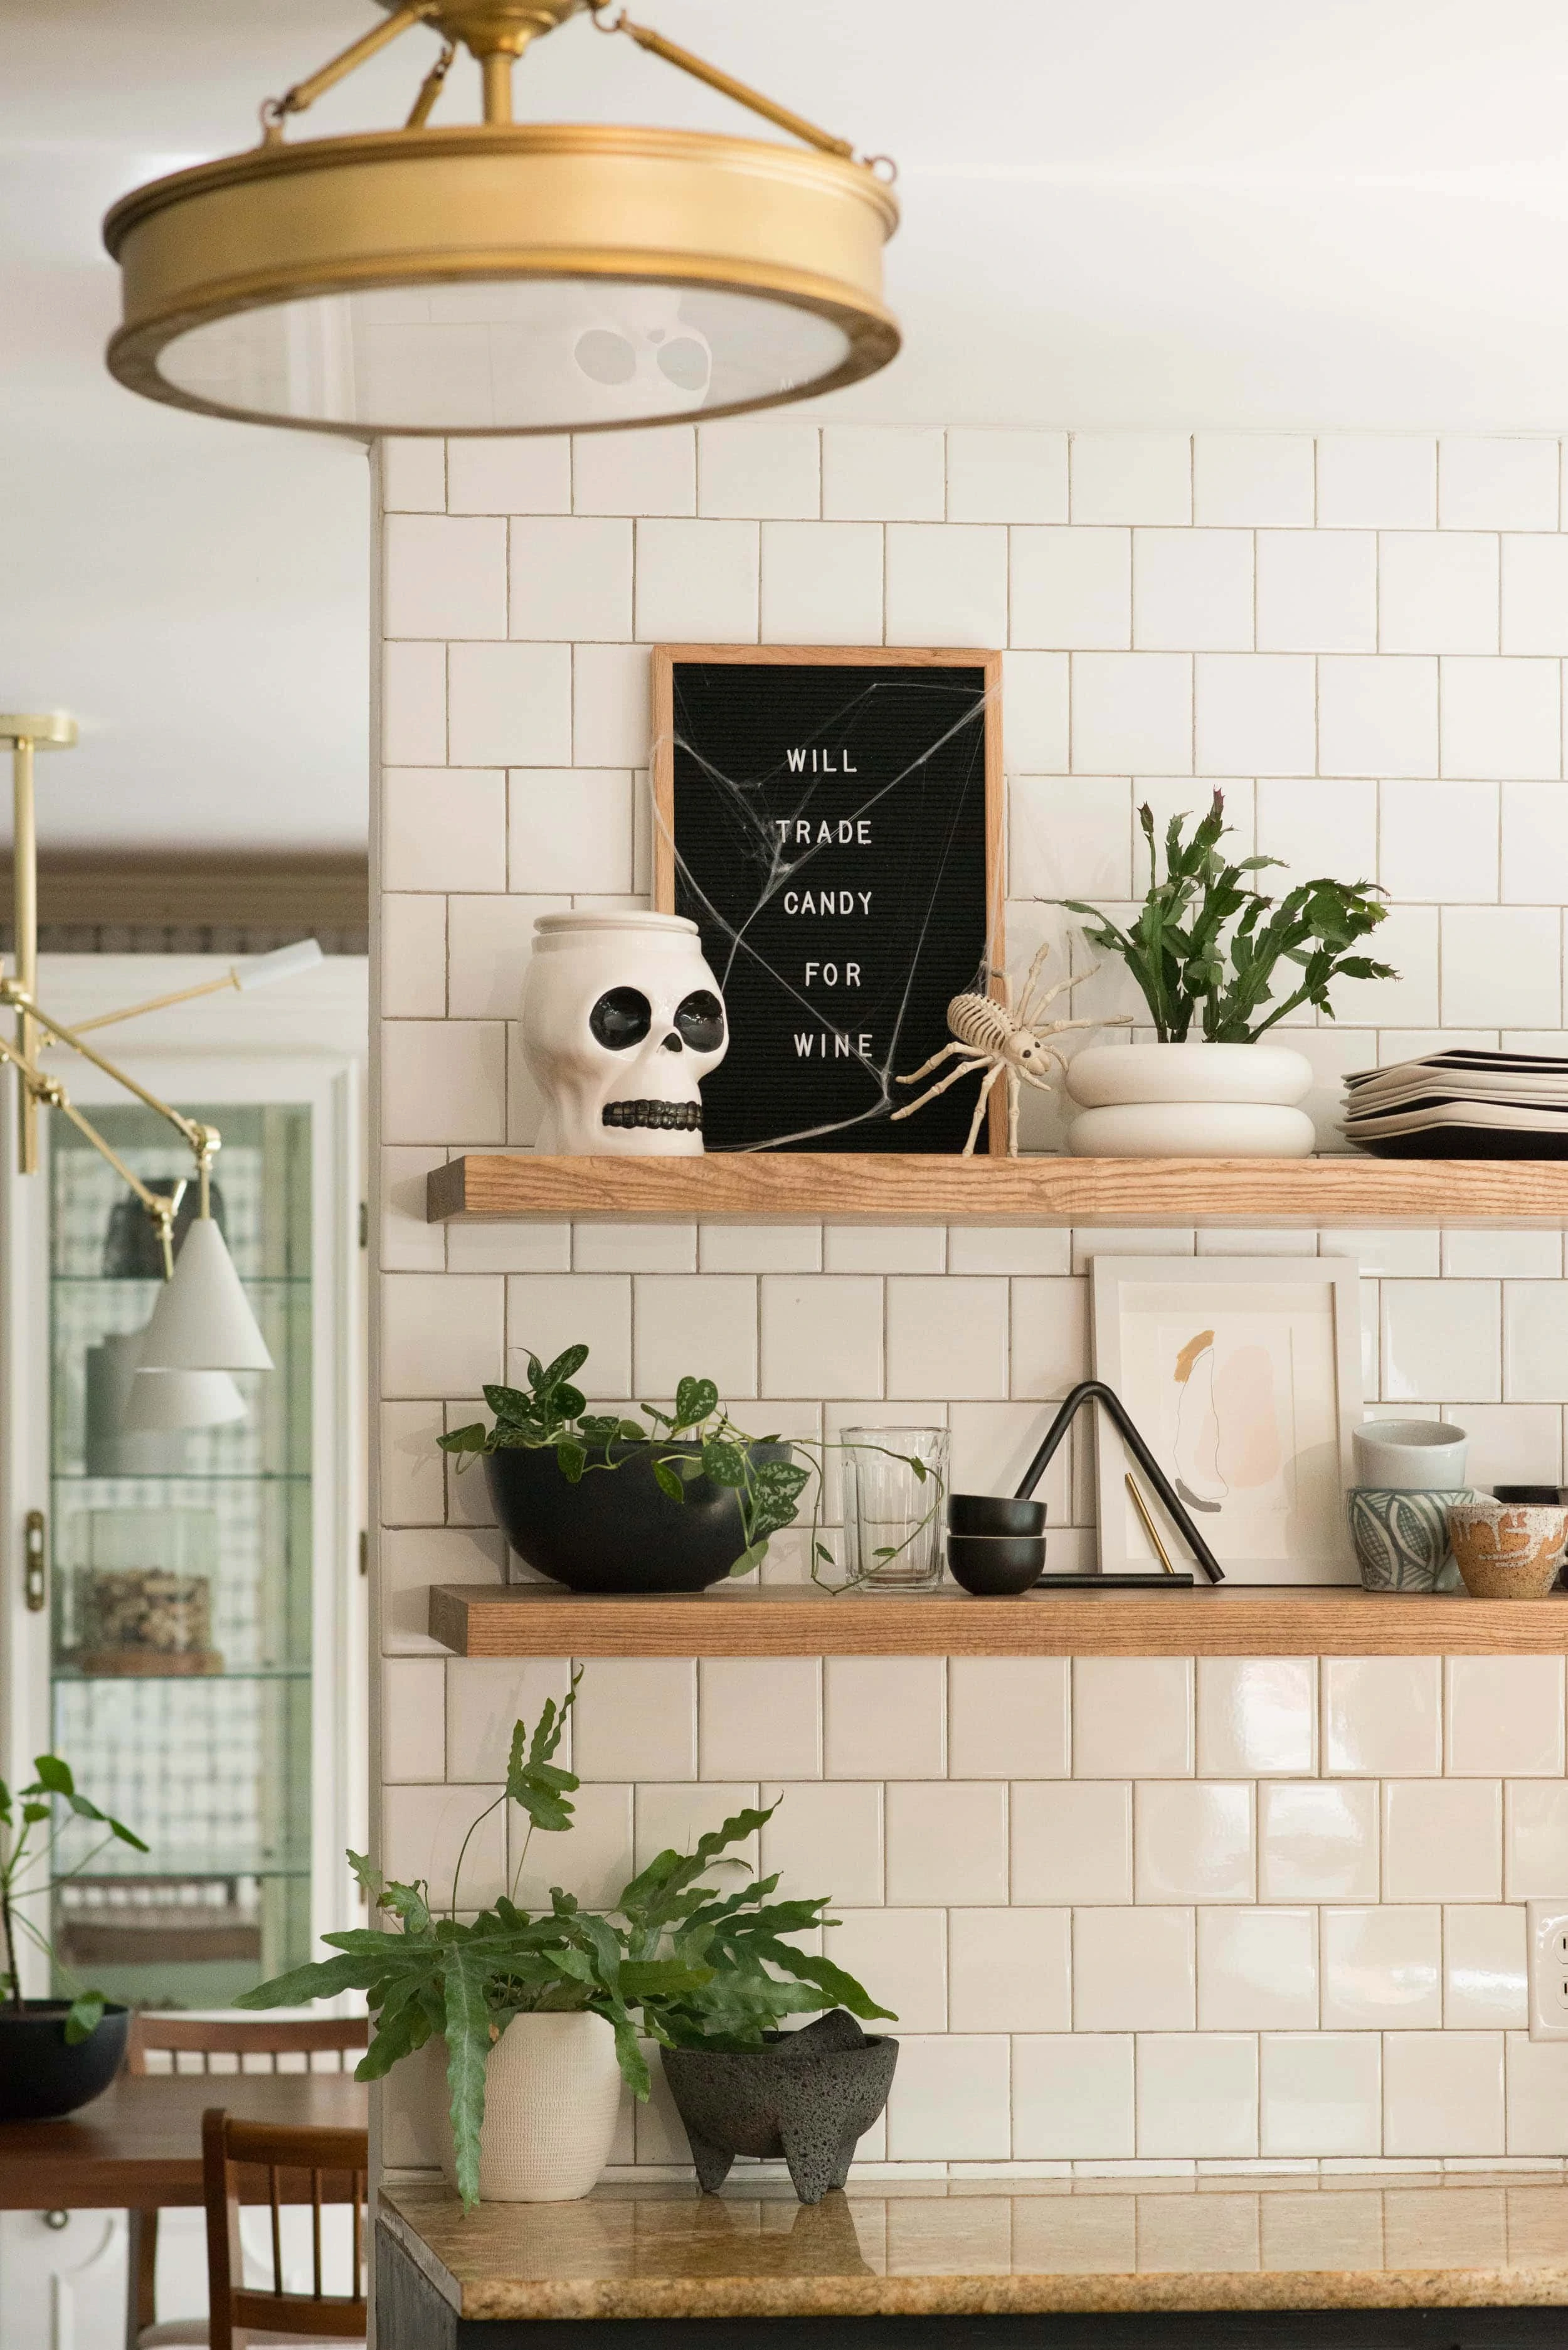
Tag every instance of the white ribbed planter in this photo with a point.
(1189, 1101)
(552, 2094)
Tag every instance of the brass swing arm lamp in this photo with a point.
(234, 1325)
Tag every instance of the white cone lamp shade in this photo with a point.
(202, 1320)
(163, 1402)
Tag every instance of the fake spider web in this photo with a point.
(832, 852)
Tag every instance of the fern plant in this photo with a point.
(1207, 946)
(672, 1960)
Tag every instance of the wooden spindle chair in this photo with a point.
(191, 2042)
(335, 2163)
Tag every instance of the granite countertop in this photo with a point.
(1009, 2248)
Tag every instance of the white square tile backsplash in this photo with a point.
(1129, 1910)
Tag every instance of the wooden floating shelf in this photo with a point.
(849, 1187)
(533, 1620)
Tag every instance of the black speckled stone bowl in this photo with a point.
(809, 2096)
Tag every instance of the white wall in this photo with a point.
(1188, 1869)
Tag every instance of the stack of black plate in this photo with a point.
(1462, 1104)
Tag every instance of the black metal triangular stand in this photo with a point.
(1096, 1391)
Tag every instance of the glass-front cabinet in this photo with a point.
(182, 1636)
(198, 1656)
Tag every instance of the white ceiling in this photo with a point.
(1241, 212)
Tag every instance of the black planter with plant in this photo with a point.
(602, 1502)
(55, 2054)
(623, 1532)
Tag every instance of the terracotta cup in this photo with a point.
(1508, 1550)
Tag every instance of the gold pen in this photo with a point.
(1141, 1507)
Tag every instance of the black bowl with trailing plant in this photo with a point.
(616, 1529)
(602, 1502)
(42, 2074)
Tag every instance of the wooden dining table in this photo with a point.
(139, 2146)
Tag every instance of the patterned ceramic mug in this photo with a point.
(1401, 1536)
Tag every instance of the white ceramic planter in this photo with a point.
(1189, 1101)
(552, 2094)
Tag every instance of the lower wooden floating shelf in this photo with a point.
(534, 1620)
(851, 1187)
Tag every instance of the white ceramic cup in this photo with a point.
(1410, 1456)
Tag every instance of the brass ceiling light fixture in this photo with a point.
(500, 276)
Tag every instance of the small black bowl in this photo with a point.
(994, 1513)
(996, 1566)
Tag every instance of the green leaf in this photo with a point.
(694, 1400)
(661, 1978)
(509, 1403)
(630, 2056)
(5, 1804)
(561, 1370)
(83, 2017)
(468, 2050)
(724, 1462)
(573, 1459)
(668, 1482)
(839, 1989)
(753, 1555)
(370, 1879)
(323, 1978)
(474, 1438)
(122, 1833)
(54, 1775)
(568, 1401)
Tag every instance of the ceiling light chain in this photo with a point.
(304, 93)
(431, 90)
(769, 108)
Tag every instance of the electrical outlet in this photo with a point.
(1549, 1970)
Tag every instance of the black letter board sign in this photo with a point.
(831, 820)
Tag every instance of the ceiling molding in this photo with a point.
(187, 892)
(144, 903)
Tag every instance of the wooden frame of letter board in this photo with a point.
(842, 657)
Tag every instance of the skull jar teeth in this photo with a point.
(621, 1021)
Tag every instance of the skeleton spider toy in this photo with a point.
(1004, 1043)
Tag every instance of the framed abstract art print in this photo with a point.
(1244, 1376)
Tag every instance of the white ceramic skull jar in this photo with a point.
(621, 1020)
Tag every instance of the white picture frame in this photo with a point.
(1253, 1427)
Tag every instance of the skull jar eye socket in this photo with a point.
(700, 1021)
(621, 1017)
